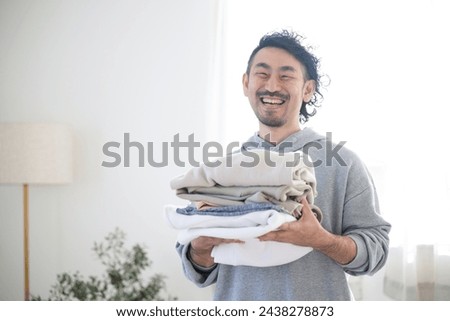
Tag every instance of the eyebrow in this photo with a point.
(288, 68)
(262, 65)
(283, 68)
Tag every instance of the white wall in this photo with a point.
(104, 67)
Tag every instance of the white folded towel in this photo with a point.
(247, 227)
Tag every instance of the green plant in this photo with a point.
(123, 278)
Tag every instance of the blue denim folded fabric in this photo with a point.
(231, 210)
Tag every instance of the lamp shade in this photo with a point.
(35, 153)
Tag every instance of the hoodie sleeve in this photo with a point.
(202, 277)
(363, 223)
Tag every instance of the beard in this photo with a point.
(270, 119)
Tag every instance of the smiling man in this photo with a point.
(276, 85)
(281, 80)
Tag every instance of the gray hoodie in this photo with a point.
(348, 200)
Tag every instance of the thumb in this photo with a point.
(306, 210)
(284, 227)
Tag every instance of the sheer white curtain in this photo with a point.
(388, 65)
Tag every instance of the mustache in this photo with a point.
(272, 94)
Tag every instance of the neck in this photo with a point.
(276, 135)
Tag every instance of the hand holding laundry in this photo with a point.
(307, 231)
(202, 246)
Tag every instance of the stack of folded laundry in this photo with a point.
(243, 196)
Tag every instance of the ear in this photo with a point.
(245, 84)
(308, 90)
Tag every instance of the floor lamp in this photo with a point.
(34, 153)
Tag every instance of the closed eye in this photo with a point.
(286, 77)
(262, 74)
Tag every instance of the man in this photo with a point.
(280, 81)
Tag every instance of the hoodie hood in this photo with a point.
(292, 143)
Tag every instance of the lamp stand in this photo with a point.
(26, 251)
(33, 153)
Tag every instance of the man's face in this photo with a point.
(276, 87)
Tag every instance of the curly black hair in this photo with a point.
(291, 42)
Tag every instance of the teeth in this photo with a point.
(272, 101)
